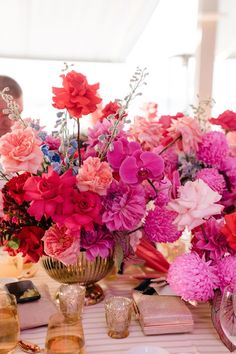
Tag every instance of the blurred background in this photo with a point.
(188, 47)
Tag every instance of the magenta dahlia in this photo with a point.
(210, 240)
(192, 277)
(158, 226)
(124, 206)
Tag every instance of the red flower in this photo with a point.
(227, 120)
(30, 242)
(76, 95)
(229, 230)
(15, 186)
(110, 108)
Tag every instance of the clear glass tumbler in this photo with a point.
(64, 336)
(9, 323)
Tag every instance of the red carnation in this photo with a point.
(110, 108)
(227, 120)
(30, 243)
(229, 230)
(76, 95)
(15, 186)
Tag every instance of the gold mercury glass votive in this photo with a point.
(118, 311)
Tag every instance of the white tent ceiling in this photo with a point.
(75, 30)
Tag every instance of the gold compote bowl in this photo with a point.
(83, 272)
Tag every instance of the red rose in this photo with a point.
(76, 95)
(227, 120)
(31, 245)
(15, 186)
(229, 230)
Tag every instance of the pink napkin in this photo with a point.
(36, 313)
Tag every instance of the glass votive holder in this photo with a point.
(71, 300)
(64, 336)
(118, 311)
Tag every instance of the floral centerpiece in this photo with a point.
(61, 196)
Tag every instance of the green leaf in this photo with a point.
(14, 244)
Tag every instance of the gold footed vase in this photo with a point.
(84, 272)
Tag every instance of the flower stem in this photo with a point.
(78, 142)
(170, 144)
(153, 186)
(137, 229)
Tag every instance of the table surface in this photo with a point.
(202, 340)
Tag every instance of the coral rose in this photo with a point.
(20, 151)
(76, 95)
(190, 133)
(196, 203)
(61, 244)
(94, 175)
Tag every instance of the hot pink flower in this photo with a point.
(140, 166)
(121, 149)
(47, 192)
(196, 203)
(190, 133)
(82, 209)
(231, 139)
(61, 244)
(52, 142)
(20, 151)
(94, 175)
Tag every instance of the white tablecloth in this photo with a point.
(202, 340)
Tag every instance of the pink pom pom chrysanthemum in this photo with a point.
(213, 179)
(227, 272)
(192, 277)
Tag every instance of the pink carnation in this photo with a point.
(190, 133)
(61, 244)
(20, 151)
(192, 278)
(213, 149)
(227, 272)
(94, 175)
(124, 206)
(196, 203)
(159, 226)
(213, 179)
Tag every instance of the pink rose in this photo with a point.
(195, 204)
(231, 139)
(190, 133)
(20, 151)
(61, 244)
(94, 175)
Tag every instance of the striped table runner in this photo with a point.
(202, 340)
